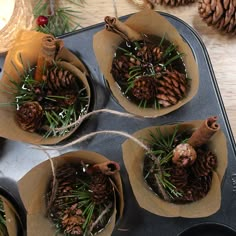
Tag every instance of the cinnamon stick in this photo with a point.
(120, 28)
(107, 168)
(206, 130)
(49, 49)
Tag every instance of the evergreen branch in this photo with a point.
(161, 155)
(60, 19)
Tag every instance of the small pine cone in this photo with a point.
(144, 88)
(178, 177)
(220, 14)
(120, 67)
(72, 220)
(59, 79)
(101, 188)
(204, 164)
(150, 53)
(29, 116)
(173, 3)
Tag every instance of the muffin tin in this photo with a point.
(18, 158)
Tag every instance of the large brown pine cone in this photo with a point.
(172, 86)
(205, 163)
(101, 188)
(219, 13)
(29, 116)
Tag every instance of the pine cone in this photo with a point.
(150, 53)
(29, 116)
(120, 67)
(59, 79)
(204, 164)
(101, 188)
(172, 86)
(196, 189)
(173, 3)
(61, 82)
(144, 88)
(219, 13)
(178, 177)
(73, 220)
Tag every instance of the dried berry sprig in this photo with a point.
(57, 20)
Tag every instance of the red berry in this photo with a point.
(42, 21)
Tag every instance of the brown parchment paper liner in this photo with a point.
(28, 45)
(34, 198)
(150, 22)
(133, 156)
(11, 217)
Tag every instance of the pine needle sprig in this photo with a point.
(61, 20)
(83, 196)
(162, 152)
(61, 119)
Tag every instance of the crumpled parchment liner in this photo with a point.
(133, 156)
(33, 187)
(28, 45)
(149, 22)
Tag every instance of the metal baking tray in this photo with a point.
(16, 158)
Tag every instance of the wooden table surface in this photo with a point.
(221, 48)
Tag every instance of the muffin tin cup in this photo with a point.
(146, 22)
(134, 155)
(35, 199)
(27, 47)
